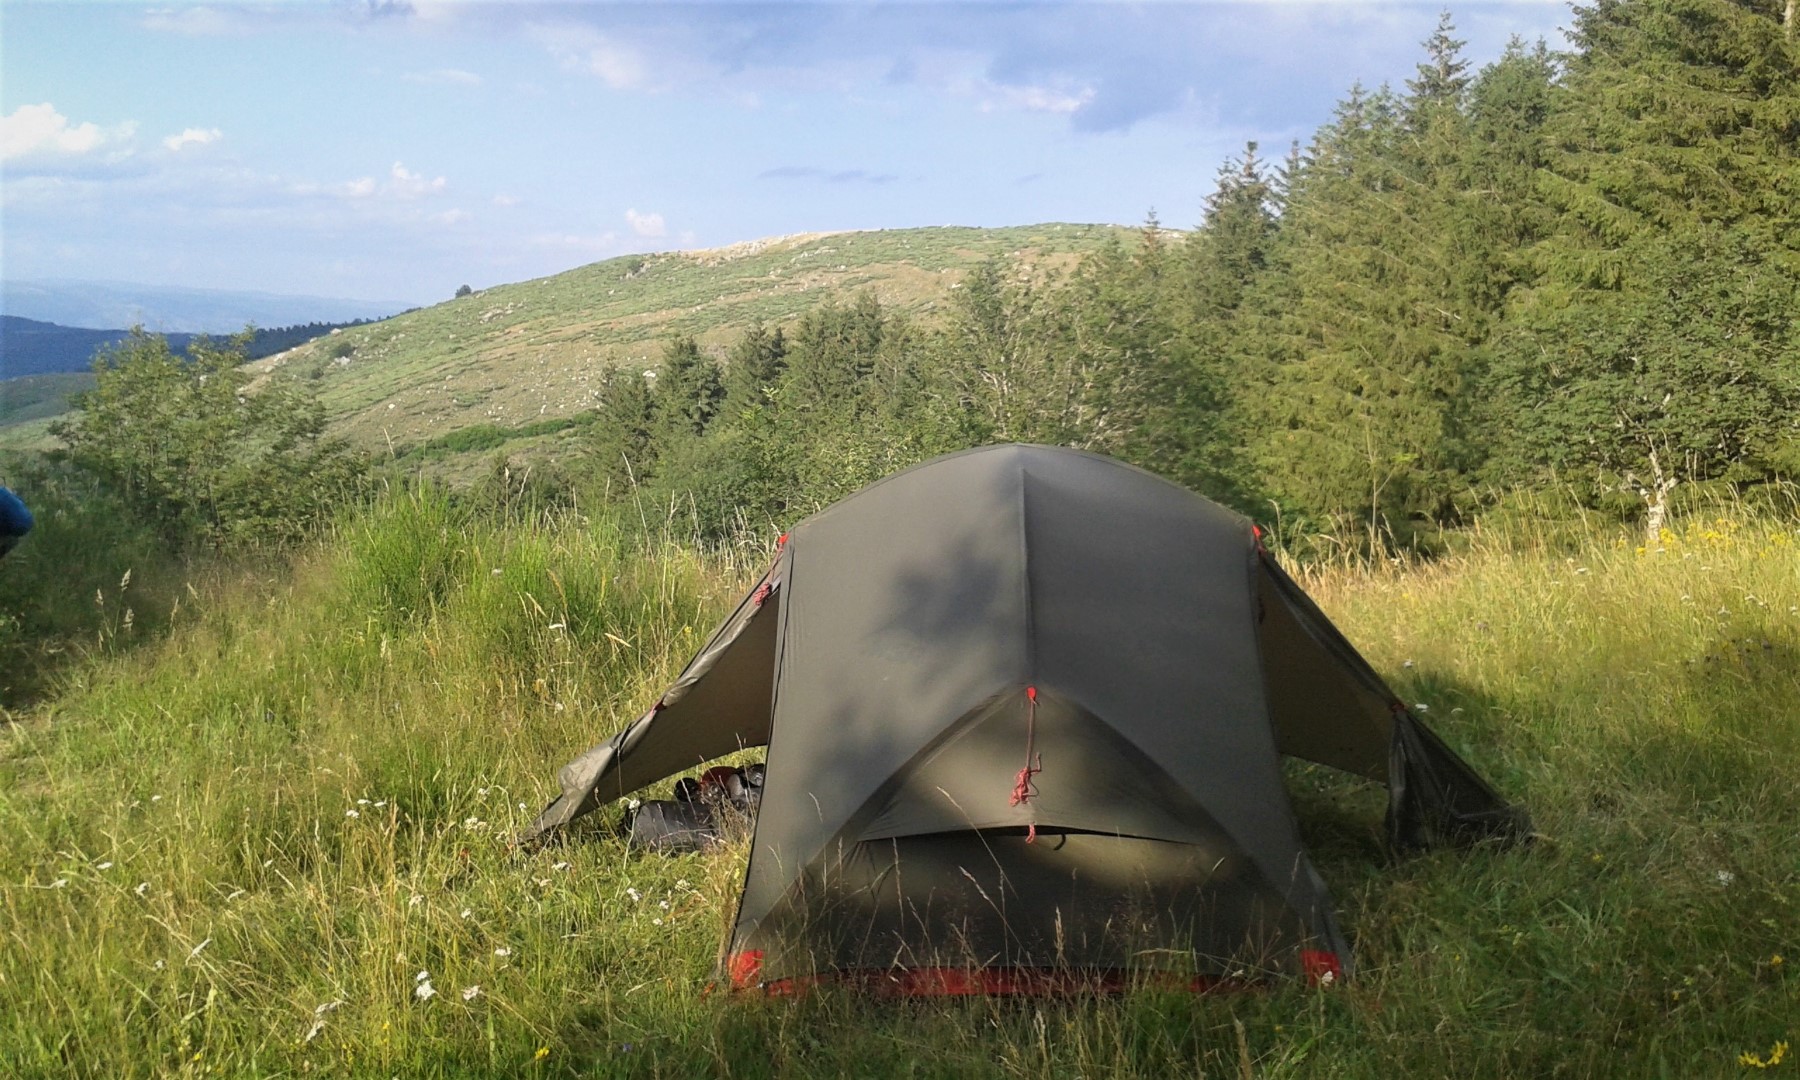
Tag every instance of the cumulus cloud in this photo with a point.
(504, 199)
(619, 65)
(39, 131)
(193, 137)
(401, 184)
(645, 224)
(452, 217)
(1038, 98)
(411, 185)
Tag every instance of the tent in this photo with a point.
(1024, 709)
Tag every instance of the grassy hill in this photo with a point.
(514, 354)
(511, 355)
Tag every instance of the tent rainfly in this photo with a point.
(1024, 710)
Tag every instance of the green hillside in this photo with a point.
(27, 403)
(515, 354)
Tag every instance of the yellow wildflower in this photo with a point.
(1776, 960)
(544, 1052)
(1752, 1061)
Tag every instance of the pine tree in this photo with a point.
(1368, 353)
(754, 366)
(1656, 345)
(688, 391)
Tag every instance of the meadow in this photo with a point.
(254, 820)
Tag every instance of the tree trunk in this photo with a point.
(1656, 497)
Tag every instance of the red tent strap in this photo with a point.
(762, 593)
(1034, 762)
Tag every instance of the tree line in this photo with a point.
(1577, 268)
(1573, 268)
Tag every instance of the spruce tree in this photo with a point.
(1655, 346)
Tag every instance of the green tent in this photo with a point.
(1024, 710)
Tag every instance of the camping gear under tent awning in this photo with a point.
(1024, 709)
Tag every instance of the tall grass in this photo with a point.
(248, 843)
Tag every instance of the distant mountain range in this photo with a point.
(112, 305)
(30, 347)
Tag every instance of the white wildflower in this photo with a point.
(1421, 707)
(1724, 877)
(560, 866)
(503, 952)
(381, 804)
(497, 571)
(142, 888)
(422, 976)
(313, 1032)
(424, 991)
(543, 882)
(1406, 663)
(470, 993)
(664, 904)
(467, 914)
(362, 802)
(481, 793)
(156, 798)
(104, 866)
(655, 922)
(158, 966)
(415, 900)
(634, 894)
(351, 814)
(558, 626)
(58, 883)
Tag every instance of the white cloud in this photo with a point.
(1037, 98)
(452, 217)
(41, 131)
(443, 77)
(411, 185)
(401, 185)
(583, 48)
(645, 224)
(193, 137)
(201, 21)
(506, 200)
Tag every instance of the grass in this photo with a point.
(234, 836)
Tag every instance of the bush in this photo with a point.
(193, 450)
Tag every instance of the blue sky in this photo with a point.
(393, 151)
